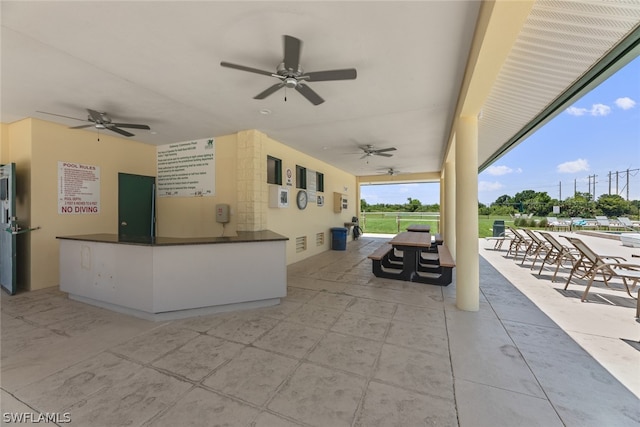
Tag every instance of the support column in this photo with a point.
(466, 208)
(251, 178)
(449, 200)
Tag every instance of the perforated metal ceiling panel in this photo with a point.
(559, 41)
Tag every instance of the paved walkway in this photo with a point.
(604, 325)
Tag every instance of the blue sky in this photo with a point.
(598, 134)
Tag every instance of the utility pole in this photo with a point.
(627, 184)
(560, 191)
(609, 182)
(575, 187)
(617, 182)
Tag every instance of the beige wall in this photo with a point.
(4, 143)
(36, 146)
(293, 222)
(195, 216)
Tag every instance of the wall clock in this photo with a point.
(301, 199)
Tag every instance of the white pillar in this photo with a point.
(449, 219)
(466, 208)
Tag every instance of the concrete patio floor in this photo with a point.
(604, 325)
(344, 348)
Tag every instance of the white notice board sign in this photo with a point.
(187, 169)
(78, 188)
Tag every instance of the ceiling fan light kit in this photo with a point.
(291, 74)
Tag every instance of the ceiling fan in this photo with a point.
(370, 151)
(102, 121)
(390, 172)
(291, 74)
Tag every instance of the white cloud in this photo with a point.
(575, 111)
(625, 103)
(600, 110)
(573, 166)
(499, 170)
(595, 110)
(489, 186)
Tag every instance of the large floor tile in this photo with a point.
(266, 419)
(198, 357)
(129, 402)
(483, 352)
(389, 406)
(331, 300)
(77, 382)
(420, 315)
(362, 325)
(419, 336)
(291, 339)
(352, 354)
(155, 344)
(315, 316)
(204, 408)
(244, 327)
(320, 397)
(253, 376)
(480, 405)
(372, 307)
(415, 370)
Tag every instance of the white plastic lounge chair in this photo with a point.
(603, 223)
(553, 223)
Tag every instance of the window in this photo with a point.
(319, 182)
(274, 170)
(301, 177)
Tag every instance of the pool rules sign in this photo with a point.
(78, 189)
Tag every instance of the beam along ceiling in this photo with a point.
(158, 63)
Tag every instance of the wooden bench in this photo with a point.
(446, 260)
(438, 273)
(381, 252)
(442, 275)
(381, 258)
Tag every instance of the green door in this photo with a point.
(8, 227)
(136, 205)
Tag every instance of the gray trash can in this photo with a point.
(498, 228)
(339, 238)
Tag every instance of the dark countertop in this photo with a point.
(242, 237)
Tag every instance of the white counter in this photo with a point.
(172, 278)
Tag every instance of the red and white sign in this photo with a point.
(78, 188)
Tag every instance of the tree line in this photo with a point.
(530, 202)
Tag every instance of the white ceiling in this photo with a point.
(158, 63)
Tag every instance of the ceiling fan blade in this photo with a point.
(268, 91)
(243, 68)
(382, 150)
(366, 155)
(117, 130)
(308, 93)
(131, 125)
(95, 116)
(82, 126)
(60, 115)
(322, 76)
(382, 154)
(292, 48)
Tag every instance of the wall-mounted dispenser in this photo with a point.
(222, 213)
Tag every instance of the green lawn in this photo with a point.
(387, 223)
